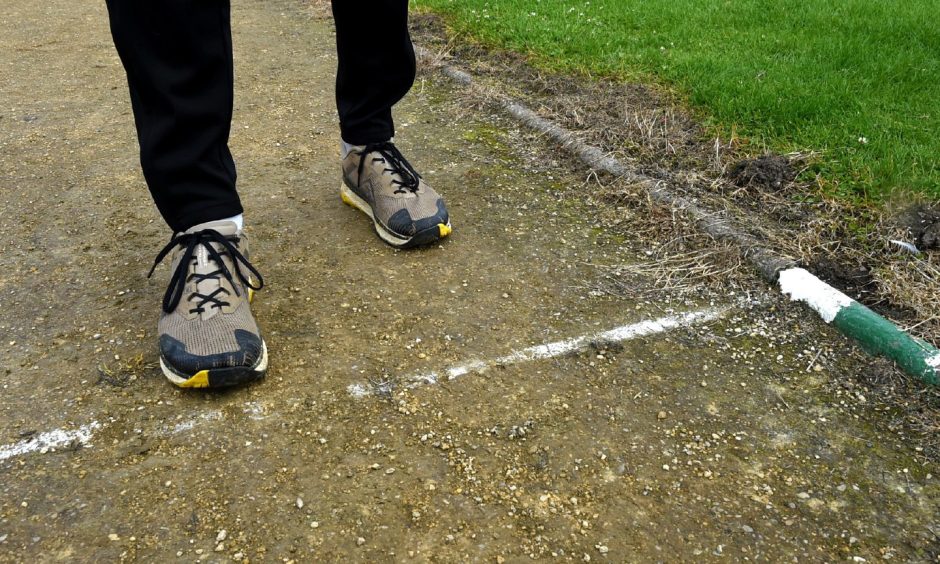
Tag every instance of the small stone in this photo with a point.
(389, 470)
(238, 555)
(220, 547)
(802, 495)
(661, 415)
(300, 503)
(500, 560)
(602, 548)
(360, 541)
(315, 525)
(747, 529)
(221, 536)
(114, 537)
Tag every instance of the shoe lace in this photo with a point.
(395, 162)
(179, 279)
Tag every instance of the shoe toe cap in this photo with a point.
(403, 223)
(247, 352)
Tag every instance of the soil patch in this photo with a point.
(767, 172)
(922, 221)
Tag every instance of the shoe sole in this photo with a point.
(218, 377)
(419, 239)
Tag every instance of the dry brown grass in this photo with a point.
(653, 133)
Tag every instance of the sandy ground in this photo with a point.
(706, 442)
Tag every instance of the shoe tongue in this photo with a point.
(204, 264)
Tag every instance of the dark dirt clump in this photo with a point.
(768, 172)
(923, 223)
(859, 282)
(855, 280)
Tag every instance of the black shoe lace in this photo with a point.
(190, 241)
(395, 163)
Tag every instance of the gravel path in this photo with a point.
(709, 440)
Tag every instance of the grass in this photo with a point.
(856, 80)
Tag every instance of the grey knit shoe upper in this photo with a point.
(208, 337)
(406, 212)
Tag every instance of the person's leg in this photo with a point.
(376, 66)
(178, 58)
(376, 69)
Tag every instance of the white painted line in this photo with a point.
(50, 440)
(548, 350)
(934, 361)
(804, 287)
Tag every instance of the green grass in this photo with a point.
(787, 74)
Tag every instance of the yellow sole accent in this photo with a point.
(348, 201)
(444, 230)
(200, 380)
(251, 295)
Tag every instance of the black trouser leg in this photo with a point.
(178, 58)
(376, 66)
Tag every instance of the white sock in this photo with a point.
(345, 148)
(239, 221)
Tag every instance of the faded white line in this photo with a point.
(50, 440)
(546, 351)
(190, 424)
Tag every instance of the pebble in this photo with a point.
(602, 548)
(238, 555)
(114, 537)
(360, 541)
(300, 503)
(747, 529)
(221, 536)
(389, 470)
(661, 415)
(315, 525)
